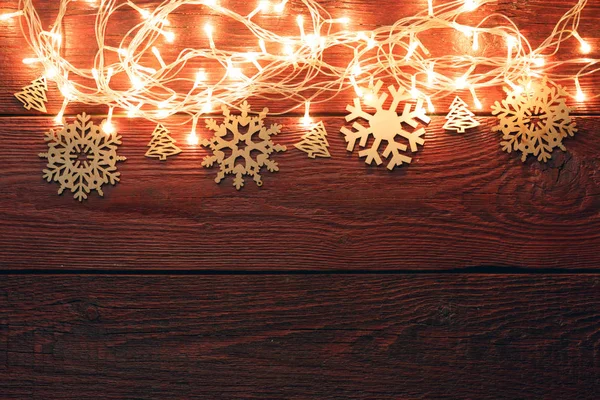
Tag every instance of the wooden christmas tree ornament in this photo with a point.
(460, 118)
(34, 95)
(314, 143)
(162, 144)
(81, 157)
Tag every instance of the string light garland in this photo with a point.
(288, 68)
(293, 70)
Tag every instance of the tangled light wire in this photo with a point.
(292, 68)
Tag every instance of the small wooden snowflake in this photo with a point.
(81, 157)
(534, 119)
(242, 145)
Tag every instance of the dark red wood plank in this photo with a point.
(299, 337)
(462, 202)
(535, 18)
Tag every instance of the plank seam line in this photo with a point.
(289, 115)
(482, 270)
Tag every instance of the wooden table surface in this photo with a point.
(465, 275)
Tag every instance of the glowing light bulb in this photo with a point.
(356, 70)
(281, 6)
(430, 106)
(539, 62)
(461, 82)
(261, 44)
(580, 96)
(414, 43)
(250, 56)
(517, 89)
(511, 42)
(288, 49)
(133, 111)
(371, 43)
(430, 75)
(307, 120)
(137, 82)
(264, 5)
(584, 46)
(158, 57)
(169, 36)
(475, 41)
(192, 138)
(108, 127)
(67, 91)
(51, 73)
(478, 104)
(200, 77)
(471, 5)
(413, 91)
(300, 22)
(7, 16)
(430, 7)
(29, 61)
(207, 108)
(59, 118)
(208, 29)
(358, 90)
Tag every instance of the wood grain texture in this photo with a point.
(461, 202)
(536, 19)
(300, 337)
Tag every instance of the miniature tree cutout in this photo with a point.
(385, 125)
(81, 157)
(162, 144)
(34, 95)
(534, 119)
(460, 117)
(314, 143)
(241, 145)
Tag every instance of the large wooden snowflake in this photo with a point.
(534, 119)
(81, 157)
(241, 145)
(385, 125)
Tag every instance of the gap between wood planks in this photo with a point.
(336, 114)
(481, 270)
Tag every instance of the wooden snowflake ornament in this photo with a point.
(315, 143)
(81, 157)
(34, 95)
(162, 144)
(460, 118)
(534, 119)
(385, 125)
(242, 145)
